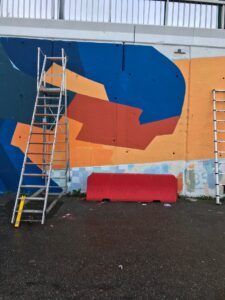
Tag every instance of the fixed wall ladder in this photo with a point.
(219, 142)
(48, 145)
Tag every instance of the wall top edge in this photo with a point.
(109, 32)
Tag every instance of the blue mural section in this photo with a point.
(18, 91)
(10, 157)
(137, 76)
(23, 52)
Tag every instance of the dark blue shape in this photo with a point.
(137, 76)
(154, 83)
(23, 52)
(18, 91)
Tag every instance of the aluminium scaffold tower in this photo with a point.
(219, 142)
(47, 146)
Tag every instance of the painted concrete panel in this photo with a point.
(132, 108)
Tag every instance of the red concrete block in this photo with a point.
(132, 187)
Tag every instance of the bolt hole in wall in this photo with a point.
(149, 12)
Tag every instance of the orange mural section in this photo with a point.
(206, 74)
(76, 83)
(81, 153)
(192, 138)
(21, 135)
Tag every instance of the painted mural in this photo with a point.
(131, 109)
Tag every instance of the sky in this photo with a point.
(118, 11)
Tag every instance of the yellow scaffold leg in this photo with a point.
(20, 211)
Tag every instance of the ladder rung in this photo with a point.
(32, 211)
(50, 105)
(34, 198)
(45, 123)
(219, 90)
(55, 162)
(40, 186)
(219, 120)
(220, 141)
(49, 90)
(35, 175)
(47, 143)
(44, 143)
(40, 164)
(48, 98)
(38, 153)
(219, 100)
(47, 115)
(55, 57)
(219, 130)
(33, 186)
(53, 75)
(48, 133)
(46, 153)
(220, 110)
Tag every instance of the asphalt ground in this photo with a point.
(115, 251)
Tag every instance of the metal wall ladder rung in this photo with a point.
(47, 133)
(35, 184)
(54, 58)
(219, 141)
(50, 90)
(49, 105)
(47, 123)
(34, 198)
(47, 98)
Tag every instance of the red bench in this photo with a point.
(131, 187)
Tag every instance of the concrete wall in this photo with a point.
(141, 103)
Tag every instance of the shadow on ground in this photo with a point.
(115, 251)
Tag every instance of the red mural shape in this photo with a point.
(115, 124)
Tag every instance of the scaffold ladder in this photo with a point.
(219, 142)
(48, 143)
